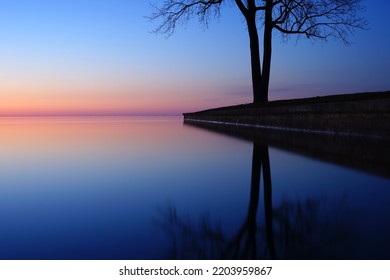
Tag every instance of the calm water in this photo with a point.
(155, 188)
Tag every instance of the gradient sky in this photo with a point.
(100, 57)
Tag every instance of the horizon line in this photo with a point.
(90, 115)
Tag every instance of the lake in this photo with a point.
(157, 188)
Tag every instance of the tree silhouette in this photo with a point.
(317, 19)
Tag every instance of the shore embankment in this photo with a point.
(360, 114)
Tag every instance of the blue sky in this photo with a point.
(101, 57)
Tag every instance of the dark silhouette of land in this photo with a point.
(367, 154)
(364, 96)
(361, 114)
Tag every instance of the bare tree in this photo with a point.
(317, 19)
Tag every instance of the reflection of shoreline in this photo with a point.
(366, 154)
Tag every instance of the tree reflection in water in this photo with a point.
(293, 230)
(307, 230)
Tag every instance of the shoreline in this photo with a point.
(359, 114)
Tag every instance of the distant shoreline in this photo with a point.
(359, 114)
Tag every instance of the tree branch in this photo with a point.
(319, 18)
(173, 12)
(242, 7)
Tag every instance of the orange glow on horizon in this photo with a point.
(100, 102)
(105, 97)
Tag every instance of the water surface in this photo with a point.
(155, 188)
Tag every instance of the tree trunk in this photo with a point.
(267, 51)
(255, 57)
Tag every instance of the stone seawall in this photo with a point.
(365, 115)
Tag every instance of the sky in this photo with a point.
(76, 57)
